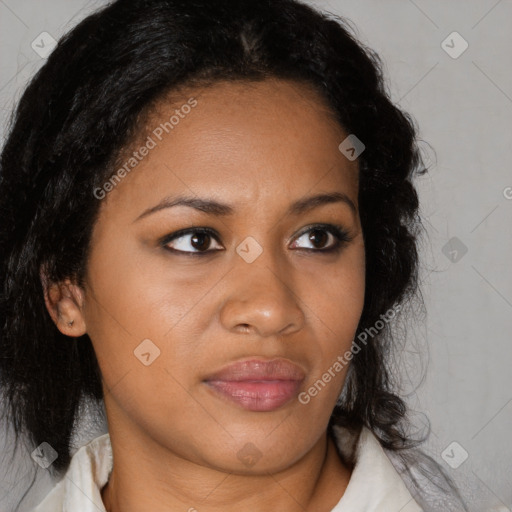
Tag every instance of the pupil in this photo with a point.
(200, 241)
(318, 237)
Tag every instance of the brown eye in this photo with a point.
(201, 241)
(192, 242)
(318, 238)
(321, 238)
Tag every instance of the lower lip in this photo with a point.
(253, 395)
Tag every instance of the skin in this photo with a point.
(258, 147)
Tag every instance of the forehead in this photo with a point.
(239, 140)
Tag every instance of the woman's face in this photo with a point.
(268, 281)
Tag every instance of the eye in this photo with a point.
(198, 239)
(322, 238)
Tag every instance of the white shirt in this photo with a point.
(374, 486)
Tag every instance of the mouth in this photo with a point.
(258, 385)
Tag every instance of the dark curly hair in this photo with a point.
(82, 109)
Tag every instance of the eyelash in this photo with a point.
(341, 236)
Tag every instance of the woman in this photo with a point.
(210, 225)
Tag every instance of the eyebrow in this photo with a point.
(212, 207)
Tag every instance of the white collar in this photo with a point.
(374, 486)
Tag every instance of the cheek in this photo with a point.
(335, 305)
(136, 295)
(141, 335)
(143, 317)
(336, 295)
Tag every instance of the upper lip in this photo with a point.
(258, 369)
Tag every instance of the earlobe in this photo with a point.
(64, 302)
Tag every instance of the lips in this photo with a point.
(257, 385)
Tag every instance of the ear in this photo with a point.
(65, 301)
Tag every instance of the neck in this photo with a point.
(314, 483)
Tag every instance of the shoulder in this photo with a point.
(427, 481)
(375, 484)
(408, 480)
(79, 488)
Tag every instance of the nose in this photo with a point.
(261, 301)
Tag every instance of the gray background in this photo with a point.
(463, 106)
